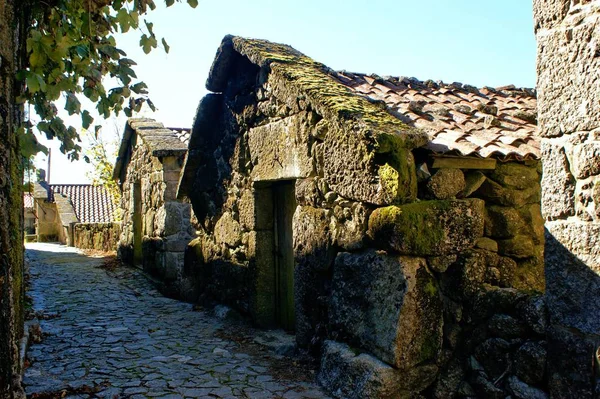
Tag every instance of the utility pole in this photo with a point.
(49, 157)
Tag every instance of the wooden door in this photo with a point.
(284, 206)
(137, 224)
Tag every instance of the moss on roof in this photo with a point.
(317, 82)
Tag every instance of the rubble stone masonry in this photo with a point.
(568, 66)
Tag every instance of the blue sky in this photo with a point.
(475, 42)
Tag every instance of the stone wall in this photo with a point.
(405, 284)
(11, 203)
(99, 236)
(568, 67)
(165, 222)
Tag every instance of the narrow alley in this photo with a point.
(108, 333)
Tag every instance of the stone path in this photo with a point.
(110, 334)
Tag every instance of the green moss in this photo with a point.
(429, 347)
(316, 82)
(430, 288)
(389, 179)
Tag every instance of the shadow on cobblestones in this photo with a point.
(110, 334)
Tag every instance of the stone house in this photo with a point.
(156, 227)
(79, 215)
(567, 36)
(392, 224)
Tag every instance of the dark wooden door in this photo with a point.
(284, 205)
(137, 223)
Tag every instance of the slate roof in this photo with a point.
(459, 119)
(92, 204)
(161, 140)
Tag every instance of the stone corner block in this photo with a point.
(388, 305)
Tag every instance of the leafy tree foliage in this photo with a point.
(71, 49)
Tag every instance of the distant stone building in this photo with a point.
(79, 215)
(156, 227)
(394, 225)
(568, 35)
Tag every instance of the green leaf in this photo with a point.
(165, 45)
(169, 2)
(29, 144)
(149, 26)
(35, 83)
(72, 106)
(193, 3)
(139, 88)
(86, 119)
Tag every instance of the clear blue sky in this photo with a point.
(476, 42)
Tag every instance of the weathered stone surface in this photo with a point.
(530, 362)
(473, 180)
(446, 183)
(467, 275)
(346, 375)
(279, 150)
(227, 230)
(493, 356)
(441, 263)
(505, 326)
(449, 380)
(549, 13)
(428, 228)
(519, 247)
(570, 359)
(581, 238)
(389, 305)
(521, 390)
(567, 68)
(558, 184)
(349, 227)
(503, 222)
(100, 236)
(312, 238)
(496, 194)
(585, 160)
(515, 175)
(534, 313)
(487, 243)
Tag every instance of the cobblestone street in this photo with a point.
(110, 334)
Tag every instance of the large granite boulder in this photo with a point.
(428, 228)
(388, 305)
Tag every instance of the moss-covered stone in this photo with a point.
(520, 247)
(495, 193)
(515, 175)
(504, 222)
(428, 228)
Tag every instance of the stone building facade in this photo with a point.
(394, 225)
(78, 215)
(156, 227)
(568, 64)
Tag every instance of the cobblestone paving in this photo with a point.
(110, 334)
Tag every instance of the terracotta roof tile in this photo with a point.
(459, 118)
(28, 200)
(92, 204)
